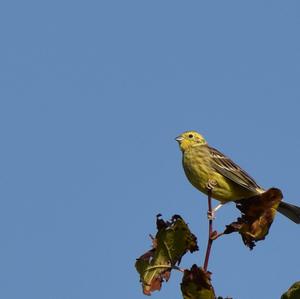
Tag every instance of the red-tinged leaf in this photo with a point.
(258, 213)
(196, 284)
(171, 242)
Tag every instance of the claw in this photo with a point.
(211, 184)
(211, 215)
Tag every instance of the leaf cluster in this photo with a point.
(173, 239)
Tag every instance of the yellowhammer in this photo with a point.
(204, 165)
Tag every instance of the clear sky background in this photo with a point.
(92, 95)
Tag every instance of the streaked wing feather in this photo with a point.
(232, 171)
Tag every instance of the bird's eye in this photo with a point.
(191, 136)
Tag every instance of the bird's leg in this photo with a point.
(218, 207)
(212, 214)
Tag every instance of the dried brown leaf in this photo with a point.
(196, 284)
(258, 213)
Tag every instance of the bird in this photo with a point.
(209, 170)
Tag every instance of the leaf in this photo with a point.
(293, 292)
(258, 213)
(171, 242)
(196, 284)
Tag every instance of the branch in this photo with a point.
(210, 230)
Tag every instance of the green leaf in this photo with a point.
(258, 213)
(196, 284)
(171, 242)
(293, 292)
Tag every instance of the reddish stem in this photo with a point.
(210, 231)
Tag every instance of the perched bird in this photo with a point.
(204, 165)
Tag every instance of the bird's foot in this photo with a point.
(211, 215)
(211, 184)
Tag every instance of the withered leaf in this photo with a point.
(196, 284)
(171, 242)
(293, 292)
(258, 213)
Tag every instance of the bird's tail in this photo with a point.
(290, 211)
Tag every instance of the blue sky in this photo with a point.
(93, 94)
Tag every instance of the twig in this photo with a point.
(210, 231)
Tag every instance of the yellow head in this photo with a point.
(189, 139)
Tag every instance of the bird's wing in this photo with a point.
(230, 170)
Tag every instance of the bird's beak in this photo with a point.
(179, 139)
